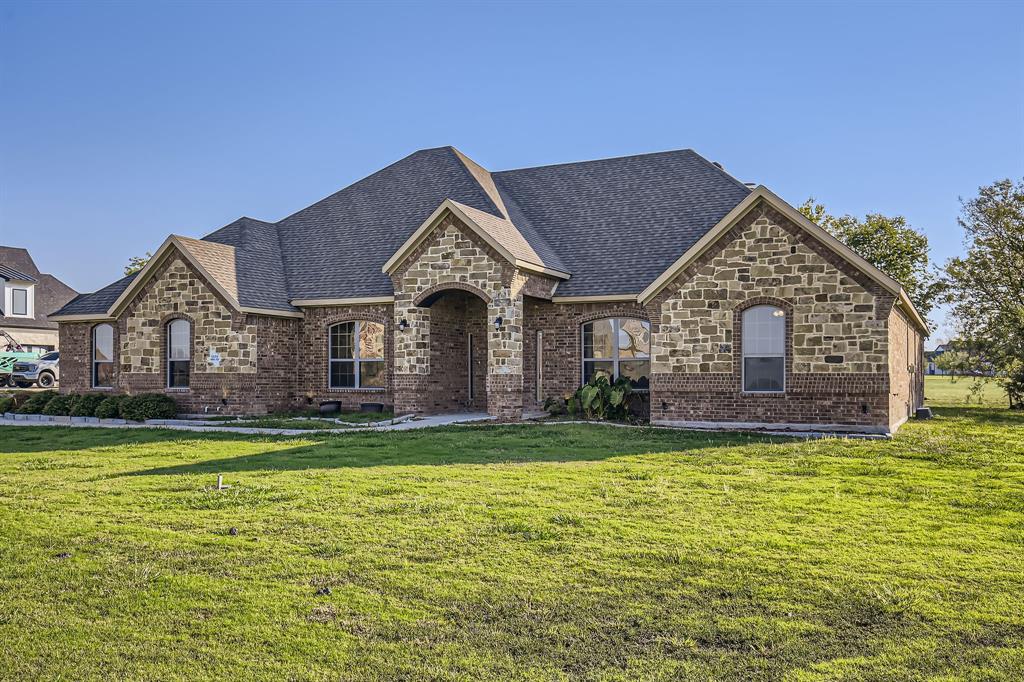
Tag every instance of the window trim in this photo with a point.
(356, 360)
(188, 346)
(28, 302)
(95, 362)
(615, 349)
(744, 354)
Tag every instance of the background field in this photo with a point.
(515, 552)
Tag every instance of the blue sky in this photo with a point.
(121, 123)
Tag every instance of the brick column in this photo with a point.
(412, 355)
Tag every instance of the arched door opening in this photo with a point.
(458, 351)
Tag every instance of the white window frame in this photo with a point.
(188, 347)
(8, 302)
(355, 359)
(745, 354)
(104, 362)
(615, 349)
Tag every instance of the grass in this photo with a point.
(558, 552)
(312, 420)
(947, 390)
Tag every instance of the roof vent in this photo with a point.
(751, 185)
(720, 166)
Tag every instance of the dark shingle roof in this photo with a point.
(614, 224)
(98, 301)
(619, 223)
(11, 273)
(336, 247)
(258, 264)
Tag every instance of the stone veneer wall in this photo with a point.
(453, 257)
(246, 344)
(837, 369)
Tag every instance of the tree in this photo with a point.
(891, 245)
(136, 263)
(986, 286)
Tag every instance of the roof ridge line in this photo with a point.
(604, 158)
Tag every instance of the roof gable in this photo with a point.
(498, 233)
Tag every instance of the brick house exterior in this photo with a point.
(436, 286)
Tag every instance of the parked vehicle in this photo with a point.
(11, 352)
(44, 371)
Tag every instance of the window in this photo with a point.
(356, 355)
(618, 347)
(179, 353)
(51, 356)
(19, 302)
(102, 356)
(764, 349)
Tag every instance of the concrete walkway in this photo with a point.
(196, 425)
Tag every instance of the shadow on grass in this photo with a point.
(465, 445)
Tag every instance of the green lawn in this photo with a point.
(945, 390)
(517, 552)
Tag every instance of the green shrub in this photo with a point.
(85, 405)
(36, 403)
(6, 403)
(110, 407)
(148, 406)
(599, 399)
(60, 405)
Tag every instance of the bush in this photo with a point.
(148, 406)
(6, 403)
(109, 407)
(60, 405)
(601, 400)
(85, 405)
(37, 403)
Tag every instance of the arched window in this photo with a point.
(179, 353)
(356, 355)
(618, 347)
(764, 349)
(102, 356)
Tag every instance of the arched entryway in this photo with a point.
(458, 350)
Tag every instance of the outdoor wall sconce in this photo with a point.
(403, 325)
(497, 322)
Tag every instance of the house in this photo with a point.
(435, 285)
(932, 358)
(29, 298)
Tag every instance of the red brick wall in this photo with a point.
(906, 368)
(453, 317)
(311, 360)
(561, 325)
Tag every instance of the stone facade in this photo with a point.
(177, 291)
(852, 357)
(837, 336)
(452, 257)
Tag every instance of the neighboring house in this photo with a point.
(932, 357)
(29, 297)
(435, 285)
